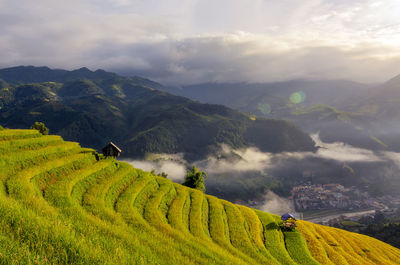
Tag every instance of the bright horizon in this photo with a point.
(186, 42)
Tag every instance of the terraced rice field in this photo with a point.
(60, 205)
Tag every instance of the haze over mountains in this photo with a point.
(358, 114)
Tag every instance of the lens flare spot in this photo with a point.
(264, 108)
(298, 97)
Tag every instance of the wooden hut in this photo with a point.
(289, 222)
(111, 150)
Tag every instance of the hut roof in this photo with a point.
(116, 147)
(286, 216)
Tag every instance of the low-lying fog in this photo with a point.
(248, 175)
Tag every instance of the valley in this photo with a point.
(200, 132)
(94, 107)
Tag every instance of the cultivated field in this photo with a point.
(60, 205)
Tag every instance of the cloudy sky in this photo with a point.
(191, 41)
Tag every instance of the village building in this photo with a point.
(111, 150)
(289, 221)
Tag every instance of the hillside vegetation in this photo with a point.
(94, 108)
(361, 115)
(61, 205)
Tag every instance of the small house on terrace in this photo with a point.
(289, 222)
(111, 150)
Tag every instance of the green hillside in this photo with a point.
(344, 111)
(61, 205)
(351, 127)
(94, 108)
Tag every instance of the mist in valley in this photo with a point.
(264, 180)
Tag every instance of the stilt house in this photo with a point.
(111, 150)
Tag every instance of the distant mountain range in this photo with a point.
(94, 107)
(253, 97)
(362, 115)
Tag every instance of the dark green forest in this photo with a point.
(95, 107)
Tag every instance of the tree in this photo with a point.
(366, 220)
(40, 127)
(195, 179)
(379, 217)
(163, 174)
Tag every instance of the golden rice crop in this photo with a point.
(175, 217)
(273, 238)
(196, 212)
(342, 247)
(60, 205)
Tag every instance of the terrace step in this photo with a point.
(6, 135)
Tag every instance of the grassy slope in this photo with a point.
(59, 205)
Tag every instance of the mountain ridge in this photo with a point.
(96, 107)
(361, 115)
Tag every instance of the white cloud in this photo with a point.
(343, 152)
(175, 170)
(252, 159)
(395, 157)
(196, 41)
(276, 204)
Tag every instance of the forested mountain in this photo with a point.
(97, 107)
(361, 115)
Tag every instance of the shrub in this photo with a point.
(40, 127)
(195, 179)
